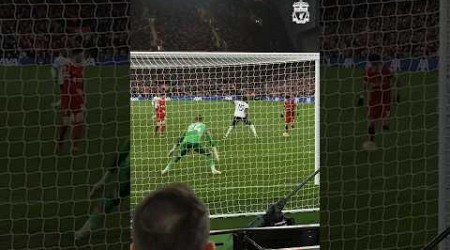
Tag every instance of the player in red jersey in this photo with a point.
(290, 110)
(377, 80)
(72, 101)
(160, 114)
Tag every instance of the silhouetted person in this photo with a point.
(171, 218)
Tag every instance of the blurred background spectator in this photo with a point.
(213, 25)
(401, 29)
(36, 30)
(391, 28)
(275, 80)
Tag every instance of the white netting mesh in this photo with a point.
(386, 199)
(45, 197)
(444, 197)
(255, 172)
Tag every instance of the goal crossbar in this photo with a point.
(164, 60)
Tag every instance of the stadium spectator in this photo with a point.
(388, 28)
(172, 218)
(213, 25)
(263, 81)
(36, 31)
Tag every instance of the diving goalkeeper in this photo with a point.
(191, 141)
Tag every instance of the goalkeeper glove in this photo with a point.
(281, 115)
(360, 100)
(216, 154)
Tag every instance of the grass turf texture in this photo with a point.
(256, 172)
(394, 207)
(386, 199)
(44, 197)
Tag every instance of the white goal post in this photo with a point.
(444, 121)
(252, 177)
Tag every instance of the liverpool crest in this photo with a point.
(300, 15)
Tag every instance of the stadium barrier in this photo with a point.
(306, 100)
(116, 60)
(420, 64)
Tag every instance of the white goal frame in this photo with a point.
(444, 120)
(161, 60)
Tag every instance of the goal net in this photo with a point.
(387, 198)
(444, 91)
(255, 171)
(44, 195)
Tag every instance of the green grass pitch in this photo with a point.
(44, 197)
(256, 172)
(387, 199)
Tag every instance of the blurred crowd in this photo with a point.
(214, 25)
(389, 28)
(259, 81)
(38, 29)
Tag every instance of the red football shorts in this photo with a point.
(72, 104)
(289, 118)
(160, 118)
(379, 104)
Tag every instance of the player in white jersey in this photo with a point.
(241, 115)
(58, 71)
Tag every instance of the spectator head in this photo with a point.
(171, 218)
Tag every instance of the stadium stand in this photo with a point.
(35, 31)
(184, 82)
(389, 28)
(207, 26)
(240, 26)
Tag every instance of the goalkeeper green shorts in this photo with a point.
(187, 147)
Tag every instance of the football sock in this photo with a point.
(62, 133)
(94, 220)
(372, 133)
(172, 162)
(212, 164)
(76, 133)
(229, 131)
(252, 128)
(385, 124)
(170, 165)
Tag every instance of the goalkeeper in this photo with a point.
(120, 172)
(191, 141)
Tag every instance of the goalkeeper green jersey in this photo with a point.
(195, 132)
